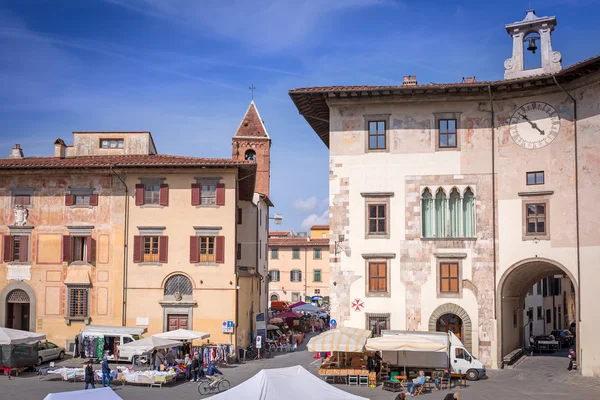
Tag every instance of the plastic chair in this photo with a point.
(352, 380)
(363, 380)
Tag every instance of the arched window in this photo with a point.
(455, 209)
(274, 297)
(250, 155)
(427, 214)
(178, 284)
(469, 213)
(440, 213)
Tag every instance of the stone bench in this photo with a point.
(511, 357)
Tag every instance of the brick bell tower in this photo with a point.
(252, 142)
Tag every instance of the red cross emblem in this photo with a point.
(357, 305)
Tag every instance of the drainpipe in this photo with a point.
(125, 249)
(493, 194)
(305, 272)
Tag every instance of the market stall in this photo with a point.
(18, 349)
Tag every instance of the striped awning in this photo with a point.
(405, 343)
(342, 339)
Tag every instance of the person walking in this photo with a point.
(188, 367)
(89, 375)
(531, 344)
(105, 373)
(170, 358)
(159, 360)
(153, 359)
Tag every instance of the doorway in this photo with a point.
(177, 321)
(450, 323)
(18, 310)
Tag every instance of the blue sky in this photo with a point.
(181, 68)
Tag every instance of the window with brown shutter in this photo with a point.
(194, 252)
(196, 194)
(449, 277)
(164, 195)
(138, 249)
(378, 277)
(220, 194)
(79, 244)
(163, 249)
(67, 248)
(93, 200)
(139, 194)
(69, 199)
(220, 249)
(16, 248)
(7, 248)
(91, 250)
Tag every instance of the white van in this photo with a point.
(114, 336)
(456, 357)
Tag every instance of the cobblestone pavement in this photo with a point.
(538, 377)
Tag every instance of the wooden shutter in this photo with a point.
(163, 249)
(67, 248)
(139, 194)
(91, 249)
(137, 249)
(93, 200)
(69, 199)
(196, 194)
(194, 250)
(163, 195)
(8, 248)
(220, 195)
(24, 249)
(220, 249)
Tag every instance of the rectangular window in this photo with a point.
(535, 178)
(540, 314)
(447, 133)
(274, 254)
(151, 194)
(530, 314)
(377, 277)
(22, 200)
(112, 143)
(548, 316)
(536, 218)
(207, 249)
(79, 248)
(317, 254)
(317, 275)
(295, 297)
(539, 288)
(274, 275)
(377, 140)
(377, 323)
(150, 249)
(78, 302)
(208, 194)
(449, 278)
(81, 199)
(296, 275)
(16, 247)
(530, 292)
(317, 292)
(295, 254)
(377, 223)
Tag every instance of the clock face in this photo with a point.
(534, 125)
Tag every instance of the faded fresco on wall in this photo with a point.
(351, 130)
(472, 124)
(411, 134)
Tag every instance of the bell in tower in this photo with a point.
(532, 30)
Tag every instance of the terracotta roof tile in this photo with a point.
(319, 227)
(252, 125)
(296, 241)
(281, 233)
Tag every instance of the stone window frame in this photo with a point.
(532, 200)
(449, 258)
(379, 258)
(378, 198)
(300, 275)
(151, 231)
(377, 118)
(22, 191)
(151, 181)
(320, 275)
(22, 231)
(459, 129)
(271, 275)
(80, 192)
(535, 178)
(85, 319)
(208, 180)
(208, 231)
(317, 253)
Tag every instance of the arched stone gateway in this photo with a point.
(513, 286)
(21, 294)
(450, 308)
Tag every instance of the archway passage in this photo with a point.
(453, 317)
(450, 323)
(17, 310)
(516, 316)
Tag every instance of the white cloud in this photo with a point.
(315, 219)
(309, 204)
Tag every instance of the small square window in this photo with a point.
(81, 199)
(151, 194)
(377, 277)
(317, 254)
(536, 219)
(449, 278)
(208, 194)
(274, 254)
(112, 143)
(274, 274)
(295, 254)
(377, 219)
(317, 292)
(377, 133)
(535, 178)
(447, 133)
(317, 275)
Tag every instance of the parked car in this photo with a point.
(49, 351)
(564, 337)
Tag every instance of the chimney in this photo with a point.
(16, 152)
(469, 79)
(410, 80)
(60, 148)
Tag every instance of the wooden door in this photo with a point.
(177, 322)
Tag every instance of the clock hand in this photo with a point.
(533, 124)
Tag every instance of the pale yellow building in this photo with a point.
(299, 266)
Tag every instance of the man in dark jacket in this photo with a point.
(89, 375)
(196, 368)
(105, 373)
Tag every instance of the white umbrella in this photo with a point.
(272, 327)
(149, 344)
(182, 334)
(307, 307)
(15, 336)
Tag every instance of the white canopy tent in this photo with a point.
(149, 344)
(342, 339)
(291, 383)
(15, 336)
(94, 394)
(308, 308)
(182, 334)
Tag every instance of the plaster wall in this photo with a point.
(88, 143)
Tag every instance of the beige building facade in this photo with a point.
(449, 201)
(299, 266)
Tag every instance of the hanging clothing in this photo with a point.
(100, 348)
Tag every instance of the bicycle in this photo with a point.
(253, 352)
(206, 386)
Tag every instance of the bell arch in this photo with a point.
(24, 287)
(451, 308)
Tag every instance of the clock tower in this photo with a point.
(252, 142)
(531, 29)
